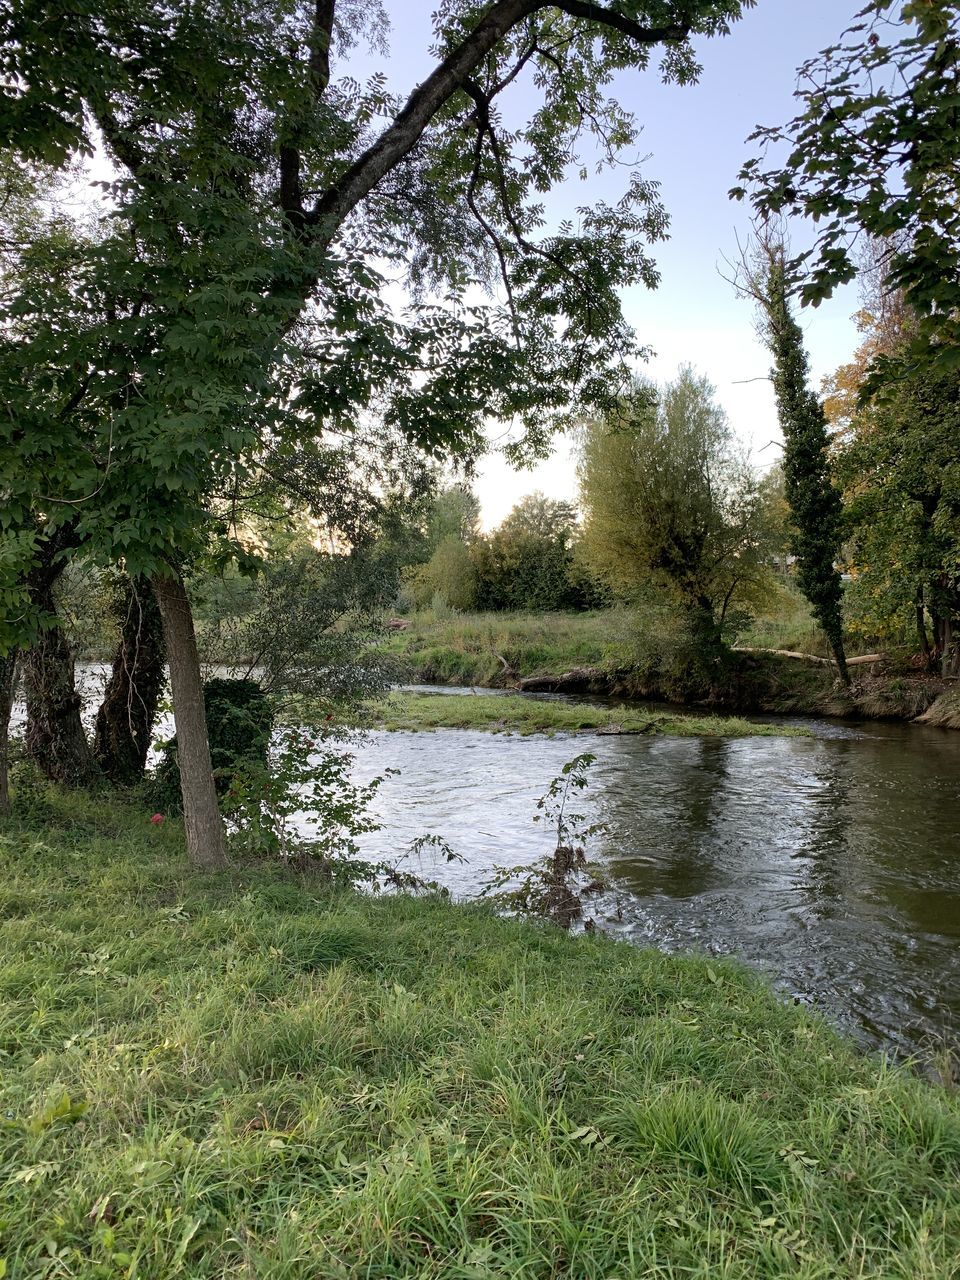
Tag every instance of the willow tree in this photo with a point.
(670, 501)
(262, 194)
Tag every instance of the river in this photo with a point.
(831, 862)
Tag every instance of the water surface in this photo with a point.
(832, 862)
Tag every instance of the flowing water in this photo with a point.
(832, 862)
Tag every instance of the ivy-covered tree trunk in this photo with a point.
(129, 708)
(814, 502)
(929, 658)
(54, 738)
(206, 838)
(8, 681)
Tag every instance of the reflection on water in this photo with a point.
(832, 862)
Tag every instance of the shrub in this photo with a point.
(239, 725)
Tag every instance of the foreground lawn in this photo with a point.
(505, 713)
(242, 1076)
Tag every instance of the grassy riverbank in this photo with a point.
(506, 713)
(241, 1075)
(615, 651)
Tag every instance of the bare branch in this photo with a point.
(399, 138)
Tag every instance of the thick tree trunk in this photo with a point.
(126, 716)
(8, 684)
(54, 738)
(206, 838)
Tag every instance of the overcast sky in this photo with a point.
(695, 138)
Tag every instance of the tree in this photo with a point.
(127, 714)
(237, 309)
(528, 562)
(874, 150)
(670, 501)
(448, 576)
(815, 502)
(898, 463)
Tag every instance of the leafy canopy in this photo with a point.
(875, 149)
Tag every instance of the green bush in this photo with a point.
(239, 724)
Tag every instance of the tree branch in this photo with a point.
(400, 137)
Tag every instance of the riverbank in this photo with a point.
(506, 713)
(598, 653)
(242, 1074)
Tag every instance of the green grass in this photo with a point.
(468, 648)
(241, 1076)
(506, 713)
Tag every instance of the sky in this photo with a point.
(695, 138)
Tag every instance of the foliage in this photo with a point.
(291, 1081)
(874, 150)
(671, 504)
(249, 314)
(557, 886)
(815, 503)
(449, 576)
(225, 321)
(302, 625)
(529, 562)
(297, 804)
(901, 471)
(239, 724)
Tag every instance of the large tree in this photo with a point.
(234, 291)
(815, 503)
(670, 501)
(874, 150)
(899, 462)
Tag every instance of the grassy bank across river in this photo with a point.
(243, 1074)
(511, 713)
(615, 651)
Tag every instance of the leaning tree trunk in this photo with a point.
(8, 684)
(206, 838)
(54, 738)
(129, 708)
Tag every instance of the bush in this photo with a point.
(239, 725)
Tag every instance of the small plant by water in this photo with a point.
(559, 886)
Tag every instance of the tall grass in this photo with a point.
(242, 1076)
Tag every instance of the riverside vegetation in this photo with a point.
(516, 714)
(247, 1073)
(643, 653)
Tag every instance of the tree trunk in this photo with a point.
(126, 716)
(841, 660)
(8, 684)
(206, 838)
(924, 639)
(949, 649)
(54, 738)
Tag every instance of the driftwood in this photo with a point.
(574, 681)
(811, 657)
